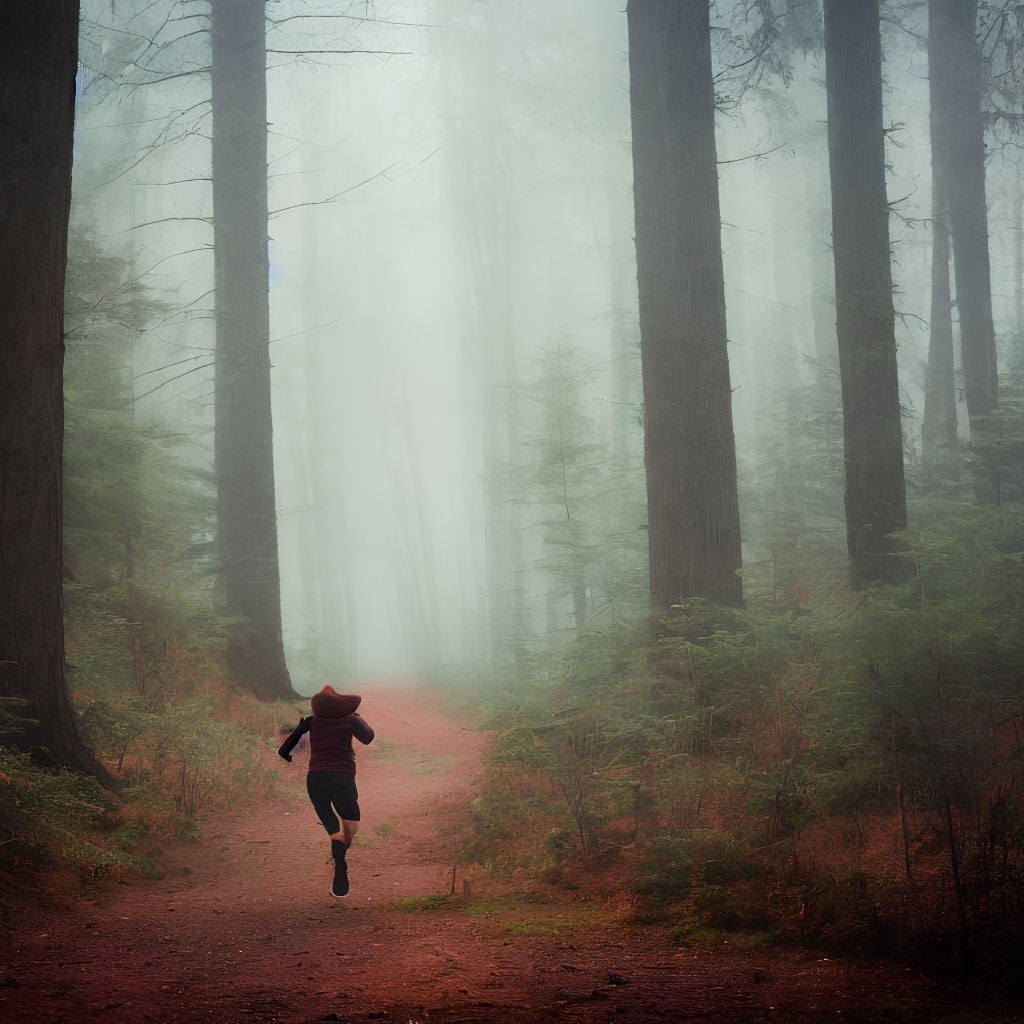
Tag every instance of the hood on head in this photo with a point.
(331, 704)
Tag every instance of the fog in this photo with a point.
(444, 211)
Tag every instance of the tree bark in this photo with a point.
(954, 67)
(243, 446)
(939, 426)
(693, 510)
(875, 497)
(38, 64)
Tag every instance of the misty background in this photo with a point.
(451, 226)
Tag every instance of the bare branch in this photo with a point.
(171, 380)
(903, 28)
(159, 369)
(277, 22)
(167, 78)
(752, 156)
(743, 63)
(317, 53)
(997, 20)
(170, 317)
(184, 252)
(337, 196)
(176, 181)
(119, 124)
(307, 330)
(164, 220)
(162, 139)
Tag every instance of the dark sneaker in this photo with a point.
(339, 887)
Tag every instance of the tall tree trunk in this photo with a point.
(38, 63)
(940, 419)
(693, 509)
(954, 67)
(1017, 348)
(244, 456)
(939, 426)
(875, 499)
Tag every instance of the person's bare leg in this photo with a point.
(347, 832)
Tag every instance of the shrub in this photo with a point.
(664, 874)
(54, 816)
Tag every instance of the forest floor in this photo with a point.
(243, 928)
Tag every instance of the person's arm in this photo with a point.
(285, 750)
(360, 729)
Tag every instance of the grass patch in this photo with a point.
(418, 764)
(435, 901)
(515, 915)
(530, 928)
(696, 935)
(482, 908)
(388, 748)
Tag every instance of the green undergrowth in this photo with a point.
(43, 808)
(176, 764)
(509, 914)
(417, 904)
(530, 928)
(53, 818)
(826, 766)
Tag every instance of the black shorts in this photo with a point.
(330, 792)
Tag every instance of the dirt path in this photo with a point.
(251, 933)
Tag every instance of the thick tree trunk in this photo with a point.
(939, 426)
(954, 65)
(38, 63)
(244, 456)
(693, 510)
(875, 498)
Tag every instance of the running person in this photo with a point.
(331, 779)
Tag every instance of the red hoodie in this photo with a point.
(331, 728)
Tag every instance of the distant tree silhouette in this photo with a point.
(939, 426)
(955, 75)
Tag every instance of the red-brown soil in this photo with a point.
(250, 932)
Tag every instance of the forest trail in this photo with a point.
(250, 932)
